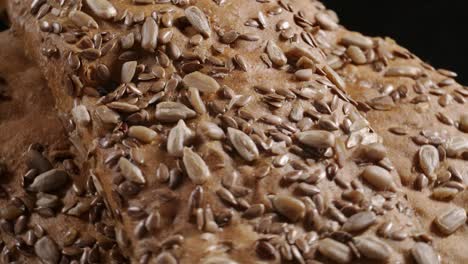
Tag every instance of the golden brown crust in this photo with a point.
(251, 50)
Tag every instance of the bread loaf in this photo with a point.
(221, 132)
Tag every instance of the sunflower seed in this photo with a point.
(38, 231)
(282, 25)
(198, 20)
(403, 71)
(241, 62)
(358, 40)
(127, 41)
(444, 193)
(131, 171)
(36, 5)
(463, 124)
(123, 107)
(174, 52)
(316, 138)
(265, 250)
(308, 189)
(243, 144)
(35, 160)
(165, 258)
(372, 248)
(306, 63)
(82, 19)
(423, 98)
(211, 130)
(79, 209)
(102, 8)
(149, 34)
(106, 115)
(379, 178)
(153, 222)
(226, 196)
(455, 146)
(46, 249)
(424, 254)
(30, 238)
(229, 37)
(451, 220)
(165, 35)
(356, 55)
(275, 54)
(128, 71)
(359, 221)
(21, 224)
(289, 207)
(374, 152)
(445, 100)
(195, 166)
(382, 103)
(334, 77)
(196, 101)
(70, 237)
(142, 133)
(10, 212)
(271, 119)
(102, 72)
(336, 214)
(255, 210)
(325, 21)
(173, 111)
(74, 61)
(445, 119)
(456, 174)
(421, 182)
(47, 200)
(49, 181)
(304, 74)
(297, 112)
(428, 159)
(401, 131)
(162, 173)
(81, 115)
(89, 54)
(458, 98)
(177, 138)
(201, 81)
(335, 250)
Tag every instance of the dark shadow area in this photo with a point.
(436, 31)
(3, 92)
(4, 22)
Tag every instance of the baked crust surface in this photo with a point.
(272, 159)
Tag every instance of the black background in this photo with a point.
(436, 31)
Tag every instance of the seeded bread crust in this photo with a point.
(413, 106)
(29, 121)
(262, 75)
